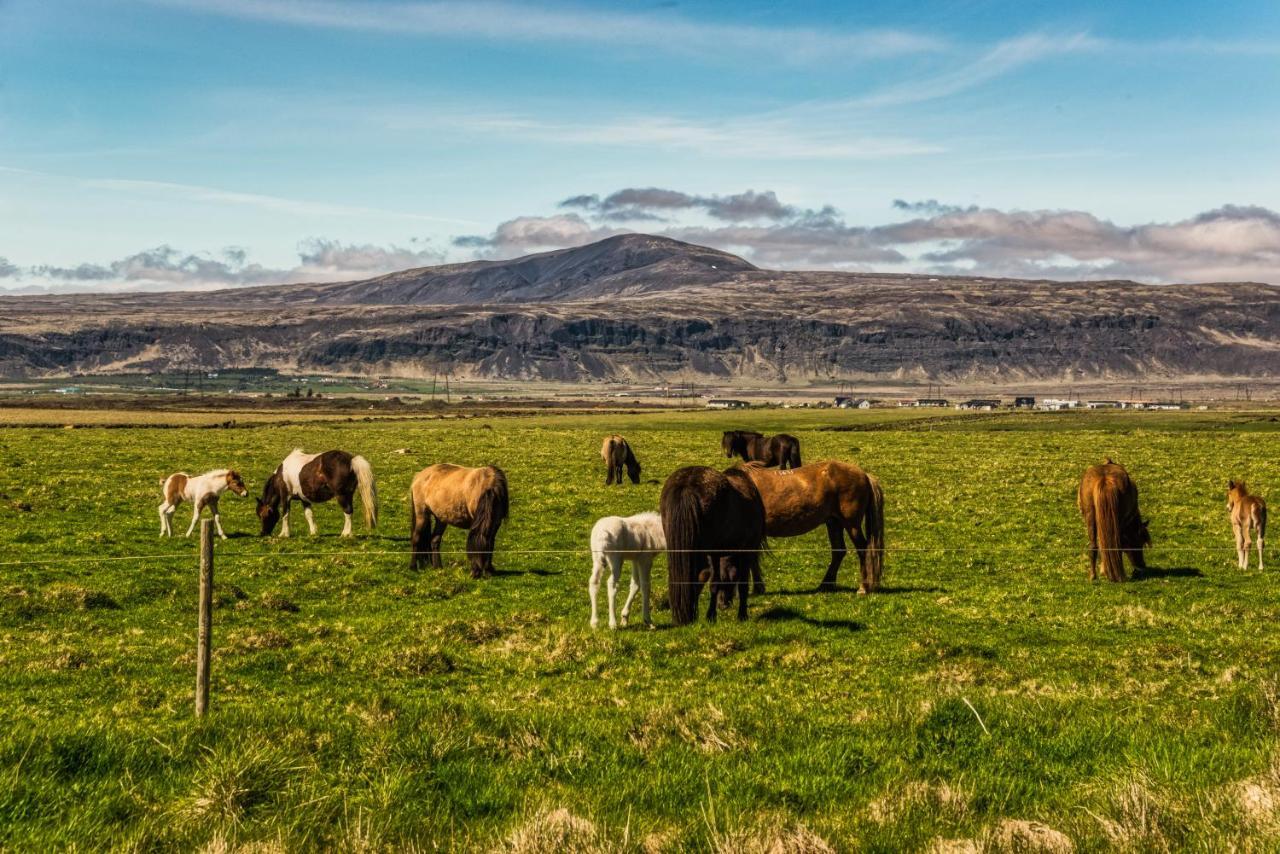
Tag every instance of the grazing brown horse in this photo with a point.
(1108, 501)
(314, 478)
(474, 499)
(1248, 512)
(714, 527)
(616, 453)
(782, 450)
(839, 495)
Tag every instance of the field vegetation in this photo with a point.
(989, 699)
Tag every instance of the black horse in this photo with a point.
(714, 524)
(782, 450)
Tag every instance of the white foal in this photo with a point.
(202, 492)
(615, 539)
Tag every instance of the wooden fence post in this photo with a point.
(204, 631)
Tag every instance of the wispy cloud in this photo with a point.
(511, 22)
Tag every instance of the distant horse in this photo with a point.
(782, 450)
(202, 492)
(637, 538)
(839, 495)
(1108, 501)
(471, 498)
(714, 526)
(616, 453)
(1248, 512)
(316, 478)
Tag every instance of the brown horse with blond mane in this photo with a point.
(474, 499)
(617, 455)
(1108, 501)
(1248, 513)
(840, 495)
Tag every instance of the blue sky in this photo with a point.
(196, 143)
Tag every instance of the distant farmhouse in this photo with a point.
(1025, 402)
(852, 403)
(940, 402)
(726, 403)
(985, 405)
(1057, 404)
(1103, 404)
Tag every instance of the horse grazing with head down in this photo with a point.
(782, 450)
(1248, 513)
(714, 527)
(474, 499)
(616, 453)
(839, 495)
(312, 478)
(637, 538)
(1108, 501)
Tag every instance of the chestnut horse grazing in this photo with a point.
(312, 478)
(714, 526)
(1108, 501)
(782, 450)
(839, 495)
(473, 499)
(616, 453)
(1248, 512)
(202, 492)
(637, 538)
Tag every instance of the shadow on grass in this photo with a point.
(781, 615)
(541, 572)
(845, 588)
(1166, 572)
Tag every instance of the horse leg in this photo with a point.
(217, 518)
(196, 507)
(835, 535)
(1092, 528)
(284, 516)
(1261, 523)
(1245, 546)
(166, 519)
(645, 565)
(870, 583)
(712, 573)
(593, 585)
(615, 572)
(311, 519)
(345, 502)
(634, 589)
(743, 586)
(437, 537)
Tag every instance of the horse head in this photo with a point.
(269, 506)
(235, 483)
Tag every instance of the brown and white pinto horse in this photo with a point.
(782, 450)
(616, 453)
(474, 499)
(312, 478)
(1108, 501)
(839, 495)
(202, 491)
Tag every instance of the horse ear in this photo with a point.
(1231, 484)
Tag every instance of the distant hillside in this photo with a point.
(645, 308)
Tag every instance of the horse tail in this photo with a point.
(1106, 522)
(793, 454)
(681, 515)
(874, 521)
(632, 464)
(368, 489)
(491, 509)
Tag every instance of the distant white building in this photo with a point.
(1055, 403)
(1102, 404)
(726, 403)
(852, 403)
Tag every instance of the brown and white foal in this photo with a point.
(202, 492)
(1247, 512)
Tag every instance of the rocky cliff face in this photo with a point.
(650, 309)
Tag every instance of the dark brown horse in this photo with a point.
(617, 455)
(312, 478)
(714, 525)
(839, 495)
(474, 499)
(1108, 501)
(782, 450)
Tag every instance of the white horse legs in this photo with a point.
(284, 518)
(166, 519)
(195, 516)
(640, 574)
(346, 525)
(599, 561)
(311, 520)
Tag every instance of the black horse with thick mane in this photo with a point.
(714, 525)
(782, 450)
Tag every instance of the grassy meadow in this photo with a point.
(989, 699)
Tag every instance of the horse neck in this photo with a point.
(273, 491)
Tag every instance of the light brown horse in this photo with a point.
(839, 495)
(1108, 501)
(474, 499)
(1248, 513)
(616, 453)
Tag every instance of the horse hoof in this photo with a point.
(830, 587)
(862, 591)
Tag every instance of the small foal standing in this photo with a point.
(615, 539)
(202, 491)
(1248, 512)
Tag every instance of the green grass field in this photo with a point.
(361, 706)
